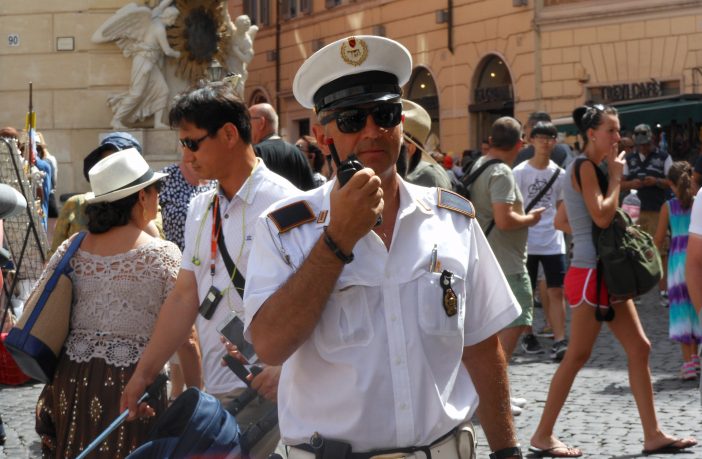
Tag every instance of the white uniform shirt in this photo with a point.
(696, 215)
(259, 191)
(383, 368)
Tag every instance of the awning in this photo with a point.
(679, 109)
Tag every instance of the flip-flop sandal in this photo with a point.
(673, 447)
(556, 451)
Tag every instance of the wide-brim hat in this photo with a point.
(353, 71)
(119, 175)
(417, 121)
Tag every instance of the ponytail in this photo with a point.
(680, 174)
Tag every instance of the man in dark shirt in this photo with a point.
(278, 155)
(561, 153)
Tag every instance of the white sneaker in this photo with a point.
(518, 402)
(516, 411)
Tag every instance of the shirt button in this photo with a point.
(393, 317)
(226, 215)
(403, 406)
(398, 361)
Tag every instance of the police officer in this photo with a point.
(387, 329)
(645, 170)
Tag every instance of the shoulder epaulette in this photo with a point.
(453, 201)
(293, 215)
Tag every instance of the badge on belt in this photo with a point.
(449, 298)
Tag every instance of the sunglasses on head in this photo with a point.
(193, 144)
(352, 120)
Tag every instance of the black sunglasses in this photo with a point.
(352, 120)
(193, 144)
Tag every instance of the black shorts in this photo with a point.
(554, 269)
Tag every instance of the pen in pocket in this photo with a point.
(432, 262)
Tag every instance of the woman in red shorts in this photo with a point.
(596, 202)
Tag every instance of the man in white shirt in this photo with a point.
(386, 328)
(540, 180)
(214, 129)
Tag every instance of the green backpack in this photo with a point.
(627, 258)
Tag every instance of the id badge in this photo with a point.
(209, 304)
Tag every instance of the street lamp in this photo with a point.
(215, 71)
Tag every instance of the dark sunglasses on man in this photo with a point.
(353, 119)
(193, 144)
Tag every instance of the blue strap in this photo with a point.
(61, 268)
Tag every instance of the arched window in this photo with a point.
(492, 97)
(258, 97)
(422, 90)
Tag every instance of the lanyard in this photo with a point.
(217, 228)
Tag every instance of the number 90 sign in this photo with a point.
(13, 39)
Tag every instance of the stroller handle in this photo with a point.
(151, 392)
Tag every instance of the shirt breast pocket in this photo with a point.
(345, 322)
(433, 316)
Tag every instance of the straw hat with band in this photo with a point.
(119, 175)
(417, 127)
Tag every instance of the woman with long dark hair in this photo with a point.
(121, 275)
(593, 199)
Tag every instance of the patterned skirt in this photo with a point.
(80, 403)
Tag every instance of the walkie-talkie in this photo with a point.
(345, 169)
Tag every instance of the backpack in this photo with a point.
(627, 259)
(469, 177)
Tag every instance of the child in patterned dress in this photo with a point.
(684, 327)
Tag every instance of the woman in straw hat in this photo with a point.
(121, 275)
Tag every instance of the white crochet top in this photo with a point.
(116, 300)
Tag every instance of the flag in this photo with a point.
(31, 127)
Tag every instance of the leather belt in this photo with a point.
(458, 444)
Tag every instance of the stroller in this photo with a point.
(196, 425)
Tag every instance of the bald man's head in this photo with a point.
(264, 121)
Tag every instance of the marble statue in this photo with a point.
(141, 34)
(241, 51)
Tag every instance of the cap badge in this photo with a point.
(354, 51)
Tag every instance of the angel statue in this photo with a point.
(242, 52)
(141, 34)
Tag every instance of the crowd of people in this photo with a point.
(384, 294)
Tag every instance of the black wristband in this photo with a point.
(504, 453)
(335, 248)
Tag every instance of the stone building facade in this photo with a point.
(481, 59)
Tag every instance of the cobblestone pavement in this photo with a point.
(599, 417)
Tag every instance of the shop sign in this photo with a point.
(493, 94)
(650, 89)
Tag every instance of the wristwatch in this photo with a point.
(504, 453)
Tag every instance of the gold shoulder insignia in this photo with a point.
(293, 215)
(453, 201)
